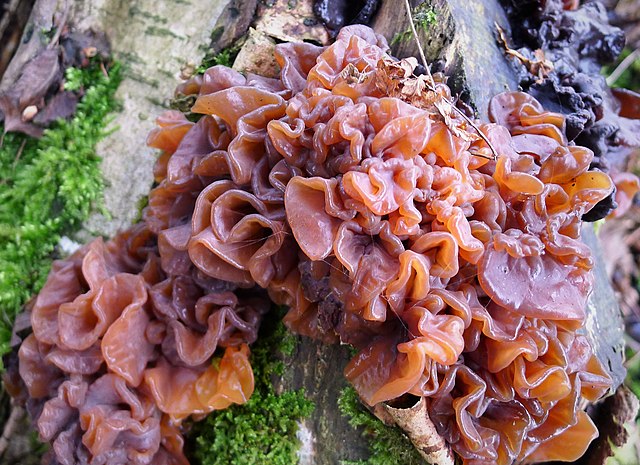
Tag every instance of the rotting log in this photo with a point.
(156, 40)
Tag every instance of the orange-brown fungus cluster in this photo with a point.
(121, 353)
(379, 223)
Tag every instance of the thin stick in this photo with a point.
(433, 86)
(415, 36)
(622, 67)
(9, 427)
(103, 69)
(20, 150)
(480, 133)
(61, 25)
(632, 359)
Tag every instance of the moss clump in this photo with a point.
(47, 188)
(262, 431)
(224, 57)
(387, 444)
(424, 16)
(633, 372)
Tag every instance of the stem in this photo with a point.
(480, 133)
(433, 86)
(415, 36)
(622, 67)
(9, 427)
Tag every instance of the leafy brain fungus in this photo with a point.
(350, 191)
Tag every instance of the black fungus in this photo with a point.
(578, 43)
(337, 13)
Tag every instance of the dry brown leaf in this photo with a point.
(422, 432)
(352, 75)
(445, 108)
(539, 66)
(397, 79)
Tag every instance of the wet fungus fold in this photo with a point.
(459, 279)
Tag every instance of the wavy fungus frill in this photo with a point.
(458, 278)
(121, 353)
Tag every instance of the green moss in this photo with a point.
(262, 431)
(224, 57)
(216, 34)
(183, 103)
(633, 372)
(424, 16)
(388, 445)
(47, 188)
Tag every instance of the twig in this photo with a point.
(61, 25)
(622, 67)
(10, 10)
(433, 87)
(103, 69)
(480, 133)
(19, 154)
(481, 156)
(9, 427)
(633, 345)
(415, 36)
(631, 360)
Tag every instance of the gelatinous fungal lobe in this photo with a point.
(439, 257)
(120, 353)
(578, 40)
(458, 278)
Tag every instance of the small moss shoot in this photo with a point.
(48, 187)
(424, 16)
(262, 431)
(633, 372)
(387, 444)
(224, 57)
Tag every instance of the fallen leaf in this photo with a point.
(397, 79)
(61, 106)
(352, 75)
(539, 66)
(25, 97)
(38, 76)
(78, 47)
